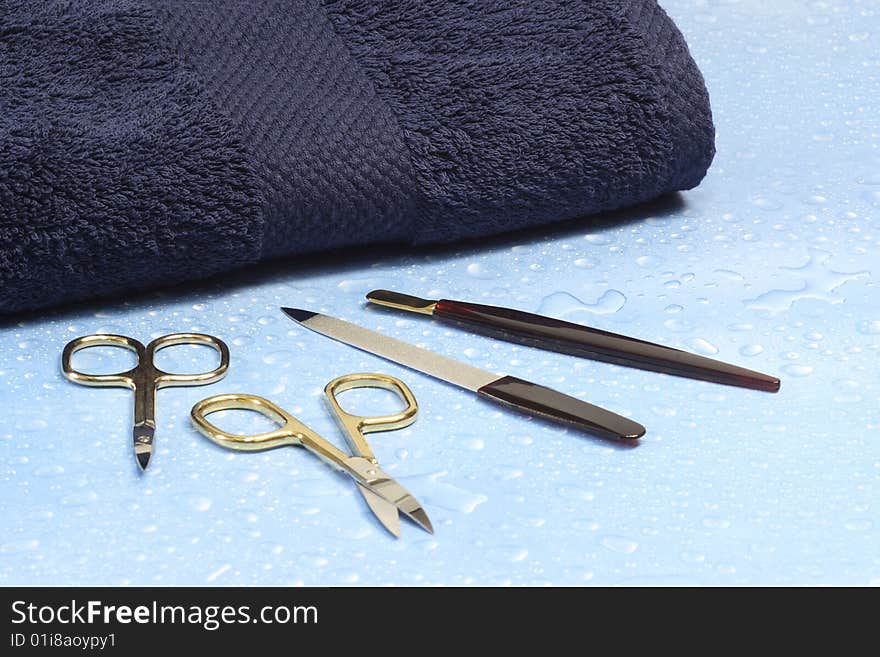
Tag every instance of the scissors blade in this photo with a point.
(143, 444)
(385, 511)
(366, 473)
(394, 493)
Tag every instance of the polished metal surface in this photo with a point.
(452, 371)
(553, 334)
(144, 378)
(384, 510)
(370, 475)
(530, 398)
(402, 301)
(384, 496)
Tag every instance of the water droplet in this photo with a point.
(716, 523)
(678, 325)
(797, 370)
(22, 545)
(199, 503)
(702, 346)
(869, 179)
(751, 349)
(872, 196)
(565, 305)
(664, 411)
(869, 327)
(49, 471)
(478, 270)
(729, 274)
(848, 391)
(280, 359)
(506, 472)
(585, 263)
(577, 494)
(814, 280)
(356, 284)
(80, 498)
(620, 544)
(434, 492)
(36, 424)
(519, 554)
(218, 572)
(765, 202)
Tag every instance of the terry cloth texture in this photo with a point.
(146, 143)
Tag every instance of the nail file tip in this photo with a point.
(298, 314)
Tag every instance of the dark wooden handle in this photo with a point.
(532, 399)
(576, 340)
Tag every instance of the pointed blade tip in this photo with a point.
(298, 314)
(422, 520)
(143, 459)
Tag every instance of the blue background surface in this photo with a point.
(771, 263)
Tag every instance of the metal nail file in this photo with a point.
(530, 398)
(576, 340)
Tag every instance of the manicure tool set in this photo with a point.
(384, 496)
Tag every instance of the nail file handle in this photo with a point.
(534, 399)
(576, 340)
(535, 330)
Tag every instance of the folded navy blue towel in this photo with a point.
(147, 143)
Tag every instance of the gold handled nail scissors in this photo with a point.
(144, 378)
(383, 495)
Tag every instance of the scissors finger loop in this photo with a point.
(170, 379)
(286, 434)
(356, 426)
(125, 379)
(371, 423)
